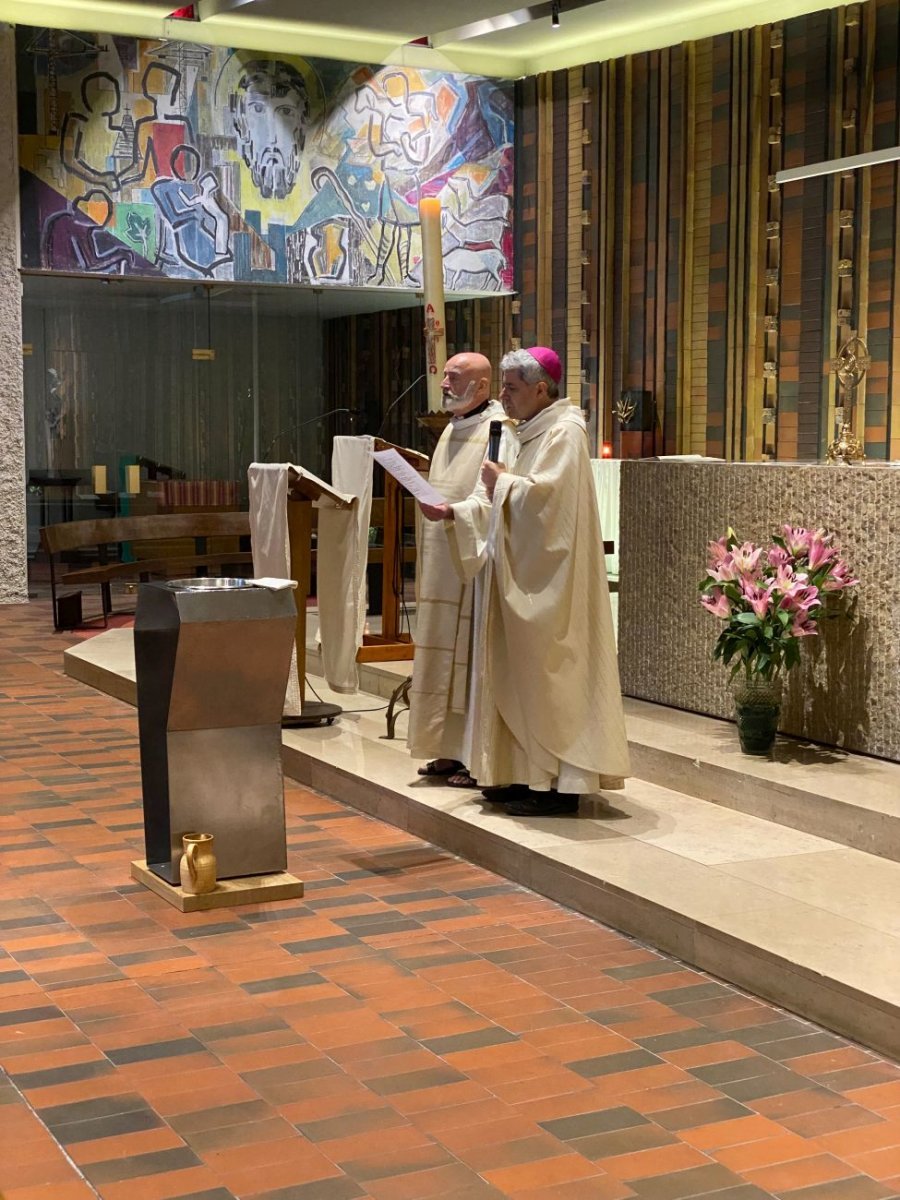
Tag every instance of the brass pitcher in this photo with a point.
(198, 864)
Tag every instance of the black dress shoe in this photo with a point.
(505, 795)
(543, 804)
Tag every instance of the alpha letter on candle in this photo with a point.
(433, 287)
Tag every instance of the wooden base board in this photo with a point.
(381, 649)
(251, 889)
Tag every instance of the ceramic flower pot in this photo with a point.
(757, 704)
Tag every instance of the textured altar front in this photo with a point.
(847, 690)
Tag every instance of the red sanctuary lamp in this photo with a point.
(606, 450)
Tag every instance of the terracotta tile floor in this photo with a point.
(413, 1028)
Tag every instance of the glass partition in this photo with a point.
(188, 383)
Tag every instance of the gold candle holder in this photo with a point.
(850, 366)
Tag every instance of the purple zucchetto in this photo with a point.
(548, 359)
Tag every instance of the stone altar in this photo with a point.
(846, 692)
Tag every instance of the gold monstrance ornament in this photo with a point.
(850, 366)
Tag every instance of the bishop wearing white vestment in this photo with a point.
(438, 695)
(546, 723)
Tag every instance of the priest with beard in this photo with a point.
(440, 684)
(546, 724)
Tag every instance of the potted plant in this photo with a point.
(769, 599)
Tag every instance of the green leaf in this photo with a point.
(747, 618)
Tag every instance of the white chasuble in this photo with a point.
(546, 706)
(438, 695)
(270, 544)
(342, 549)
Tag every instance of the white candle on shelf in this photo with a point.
(133, 479)
(433, 287)
(98, 480)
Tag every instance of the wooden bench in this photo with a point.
(103, 540)
(165, 545)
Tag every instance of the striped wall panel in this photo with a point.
(658, 257)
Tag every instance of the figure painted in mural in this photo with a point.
(73, 240)
(158, 134)
(319, 167)
(400, 120)
(400, 139)
(270, 110)
(329, 243)
(472, 237)
(194, 227)
(93, 145)
(328, 251)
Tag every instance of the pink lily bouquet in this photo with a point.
(770, 598)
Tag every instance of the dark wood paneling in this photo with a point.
(724, 297)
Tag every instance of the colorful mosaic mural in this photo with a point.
(167, 159)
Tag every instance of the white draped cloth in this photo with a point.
(546, 707)
(342, 549)
(607, 473)
(269, 541)
(438, 695)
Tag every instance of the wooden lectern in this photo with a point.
(303, 490)
(392, 645)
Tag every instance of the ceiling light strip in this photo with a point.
(835, 166)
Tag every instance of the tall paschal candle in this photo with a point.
(433, 288)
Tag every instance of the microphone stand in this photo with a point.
(394, 404)
(293, 429)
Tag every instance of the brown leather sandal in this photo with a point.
(461, 779)
(431, 768)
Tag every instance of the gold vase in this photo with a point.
(198, 864)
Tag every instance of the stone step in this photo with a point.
(800, 920)
(849, 798)
(807, 921)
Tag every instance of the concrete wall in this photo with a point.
(847, 690)
(13, 569)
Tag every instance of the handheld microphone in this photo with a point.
(496, 430)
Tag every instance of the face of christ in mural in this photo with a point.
(466, 383)
(271, 110)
